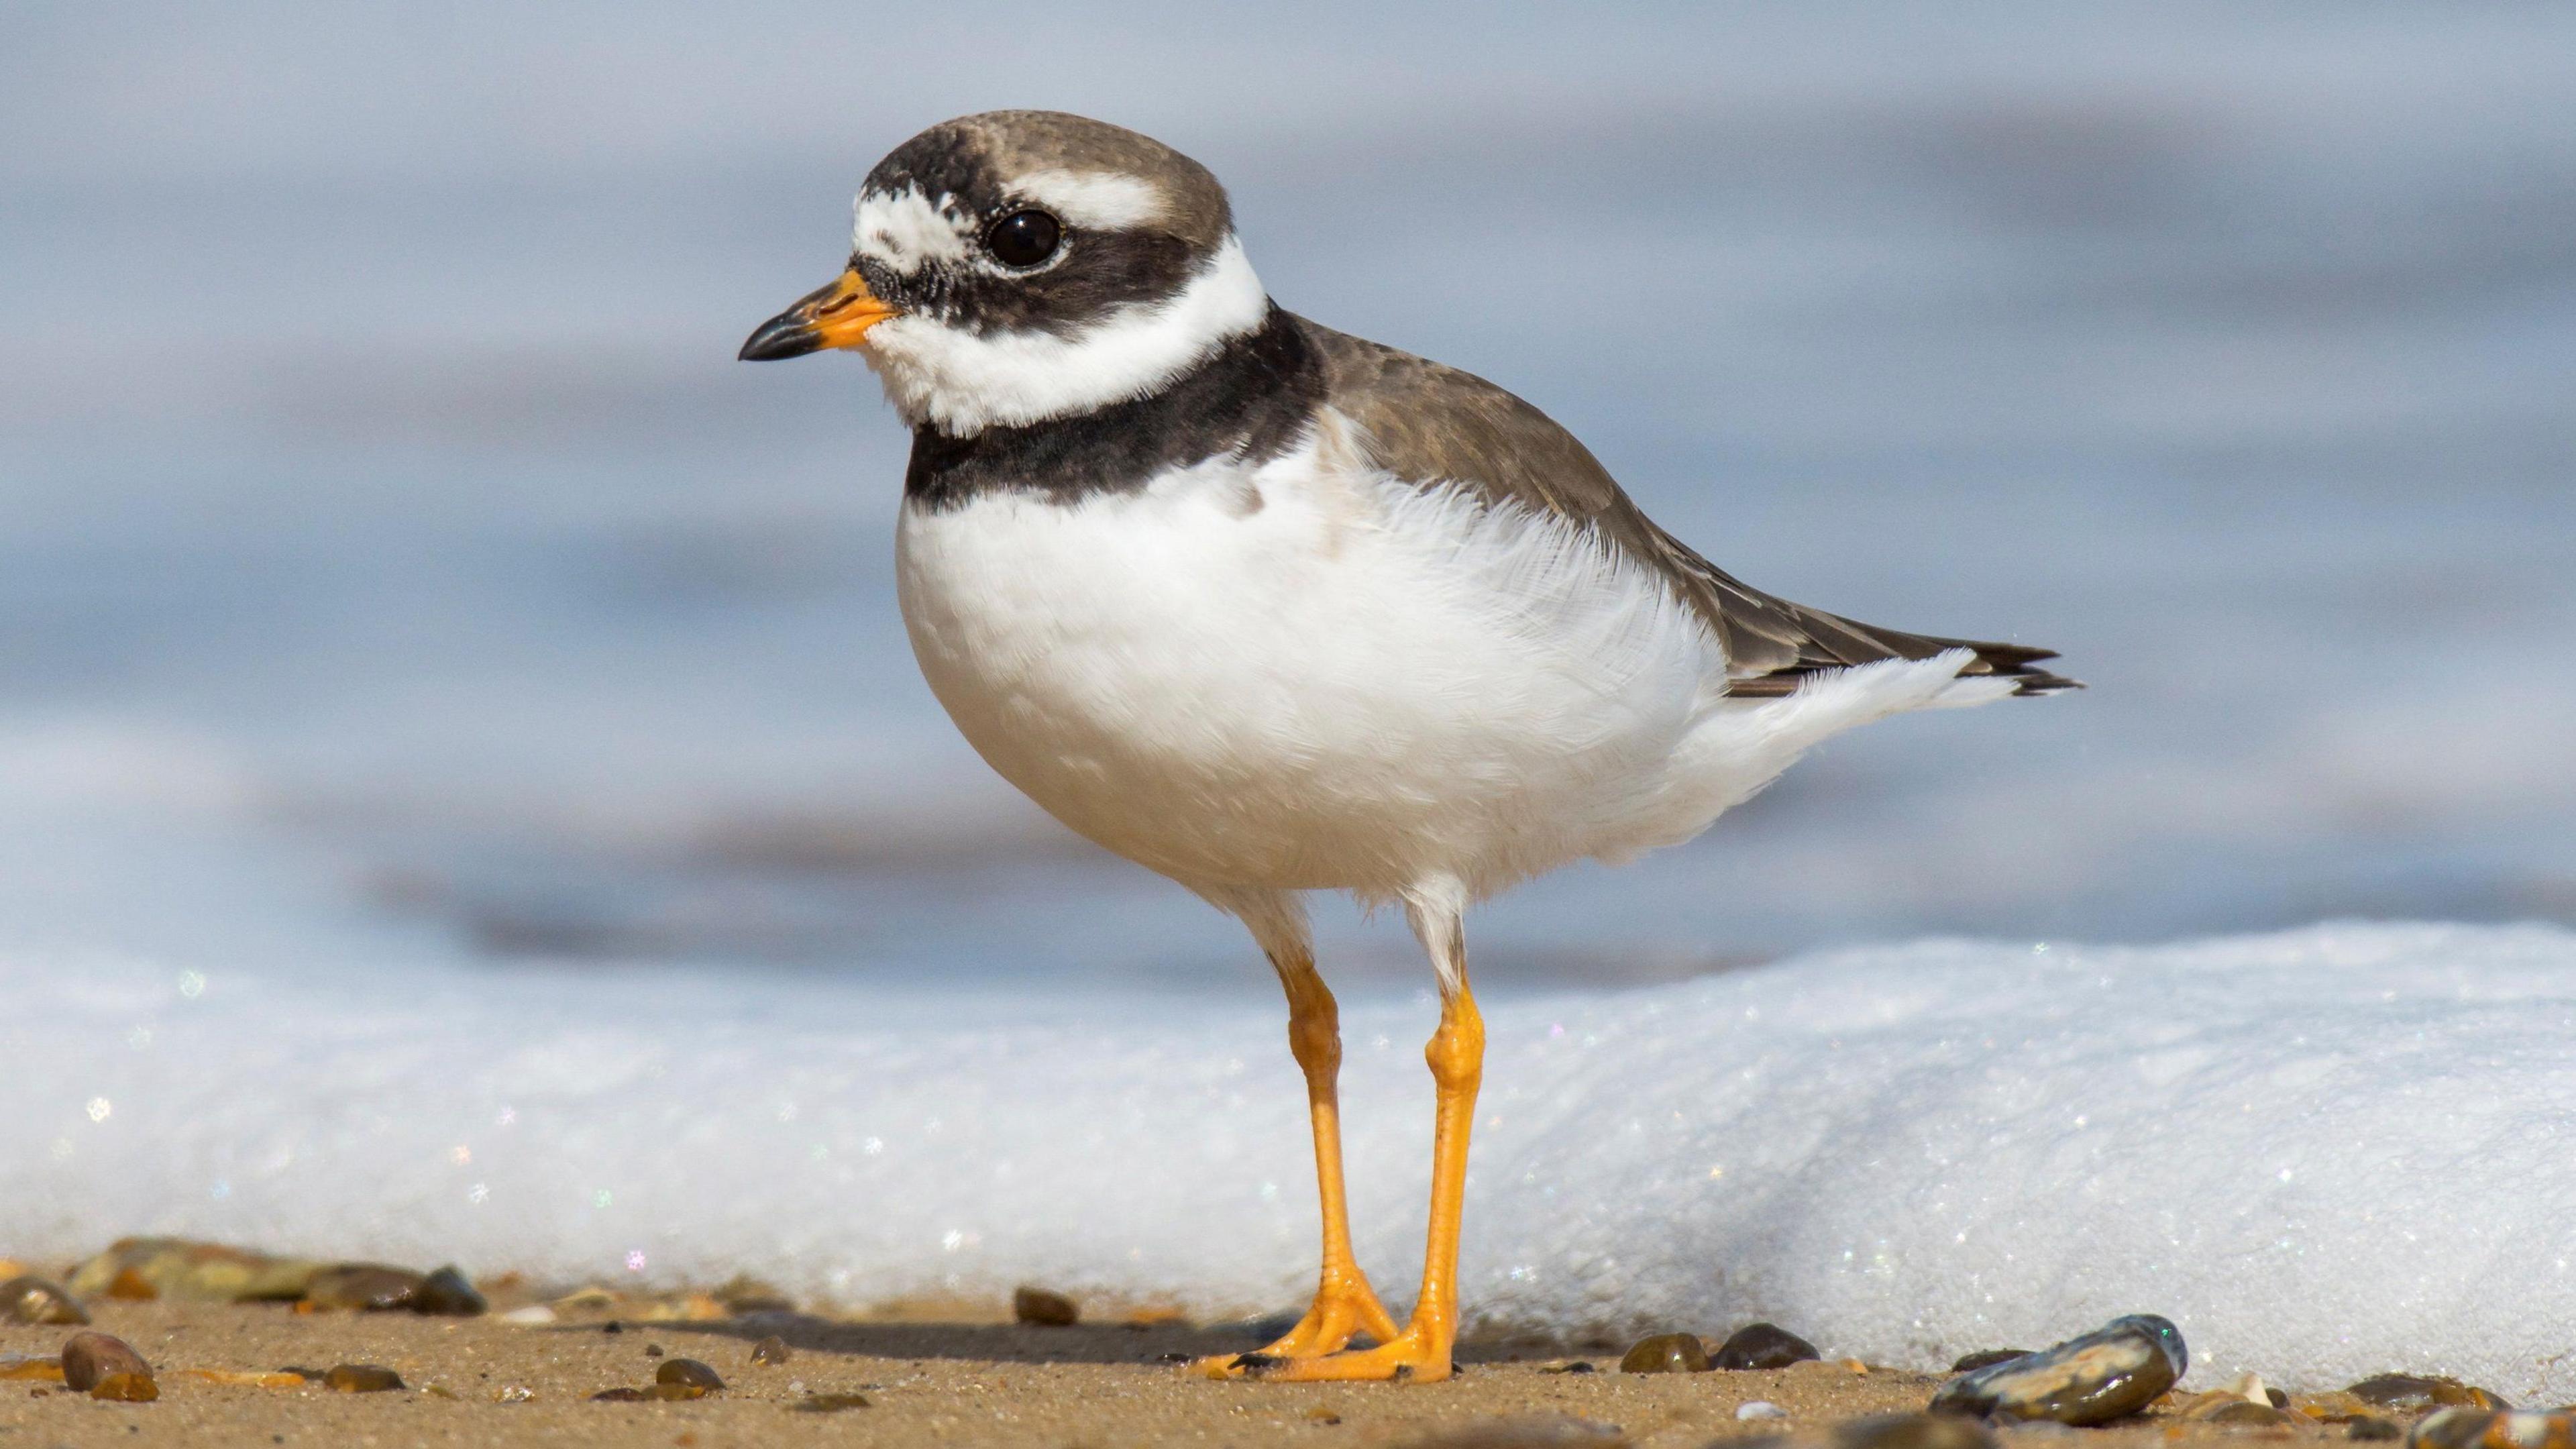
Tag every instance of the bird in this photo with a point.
(1273, 610)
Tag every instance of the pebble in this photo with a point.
(34, 1300)
(1913, 1431)
(145, 1268)
(2371, 1426)
(831, 1403)
(2465, 1428)
(1987, 1358)
(771, 1350)
(652, 1350)
(89, 1357)
(361, 1378)
(1665, 1353)
(2107, 1374)
(1763, 1346)
(1044, 1307)
(447, 1293)
(245, 1378)
(16, 1366)
(126, 1389)
(534, 1315)
(513, 1394)
(372, 1287)
(1760, 1409)
(2423, 1391)
(688, 1371)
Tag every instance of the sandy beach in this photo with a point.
(489, 1381)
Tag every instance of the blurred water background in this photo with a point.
(397, 569)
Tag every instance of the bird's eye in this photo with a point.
(1023, 238)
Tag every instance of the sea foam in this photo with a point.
(2323, 1152)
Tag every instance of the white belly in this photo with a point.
(1295, 677)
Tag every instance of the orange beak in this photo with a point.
(835, 316)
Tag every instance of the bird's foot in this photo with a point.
(1417, 1355)
(1344, 1308)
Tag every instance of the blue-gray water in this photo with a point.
(394, 563)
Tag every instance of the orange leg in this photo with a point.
(1456, 1054)
(1344, 1303)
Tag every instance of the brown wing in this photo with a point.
(1427, 423)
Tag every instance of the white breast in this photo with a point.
(1306, 675)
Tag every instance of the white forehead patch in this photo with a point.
(905, 229)
(1101, 200)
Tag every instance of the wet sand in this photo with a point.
(945, 1383)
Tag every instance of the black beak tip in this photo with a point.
(784, 336)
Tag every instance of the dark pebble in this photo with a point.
(2462, 1428)
(1579, 1366)
(652, 1350)
(1913, 1431)
(372, 1287)
(1987, 1358)
(773, 1349)
(89, 1357)
(2107, 1374)
(2371, 1426)
(37, 1300)
(1044, 1307)
(126, 1389)
(447, 1293)
(1665, 1353)
(1763, 1346)
(688, 1371)
(2423, 1391)
(2250, 1414)
(612, 1326)
(361, 1378)
(831, 1403)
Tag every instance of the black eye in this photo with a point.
(1023, 238)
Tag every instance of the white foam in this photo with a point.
(2324, 1152)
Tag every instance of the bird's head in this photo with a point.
(1016, 266)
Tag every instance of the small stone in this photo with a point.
(1760, 1409)
(2336, 1406)
(248, 1379)
(2244, 1414)
(2464, 1428)
(612, 1326)
(361, 1378)
(1579, 1366)
(771, 1350)
(2371, 1426)
(620, 1396)
(831, 1403)
(30, 1299)
(1987, 1358)
(1913, 1431)
(534, 1315)
(1763, 1346)
(126, 1389)
(652, 1350)
(688, 1371)
(2107, 1374)
(145, 1268)
(447, 1293)
(441, 1391)
(130, 1286)
(19, 1366)
(2423, 1391)
(513, 1394)
(370, 1287)
(89, 1357)
(1665, 1353)
(1044, 1307)
(677, 1391)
